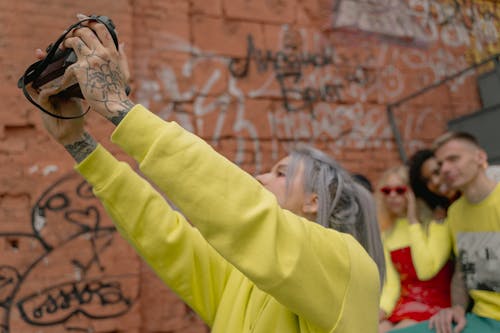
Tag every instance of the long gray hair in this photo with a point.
(344, 205)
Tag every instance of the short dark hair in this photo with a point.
(448, 136)
(362, 180)
(419, 185)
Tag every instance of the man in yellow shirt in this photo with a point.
(474, 222)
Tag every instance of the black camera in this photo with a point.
(57, 60)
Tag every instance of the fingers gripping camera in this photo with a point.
(57, 61)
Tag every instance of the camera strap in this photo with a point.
(35, 69)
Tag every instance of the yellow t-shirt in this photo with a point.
(476, 241)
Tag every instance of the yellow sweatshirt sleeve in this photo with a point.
(391, 288)
(430, 251)
(319, 274)
(169, 244)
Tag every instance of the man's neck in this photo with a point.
(478, 189)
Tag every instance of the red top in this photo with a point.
(419, 300)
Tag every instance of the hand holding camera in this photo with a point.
(85, 62)
(98, 69)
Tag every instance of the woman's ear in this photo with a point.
(310, 206)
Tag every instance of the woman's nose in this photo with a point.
(264, 178)
(261, 178)
(436, 180)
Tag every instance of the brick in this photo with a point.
(226, 37)
(261, 10)
(162, 26)
(167, 80)
(316, 13)
(206, 7)
(15, 209)
(210, 75)
(19, 252)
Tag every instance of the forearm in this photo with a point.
(459, 294)
(86, 144)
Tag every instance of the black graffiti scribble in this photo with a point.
(9, 278)
(94, 260)
(288, 66)
(87, 219)
(295, 99)
(84, 190)
(289, 63)
(67, 212)
(93, 299)
(77, 207)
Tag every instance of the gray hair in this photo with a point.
(344, 205)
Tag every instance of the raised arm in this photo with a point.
(166, 241)
(431, 248)
(174, 249)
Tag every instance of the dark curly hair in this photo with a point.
(419, 185)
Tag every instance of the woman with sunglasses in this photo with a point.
(417, 256)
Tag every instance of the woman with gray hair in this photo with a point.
(330, 197)
(249, 260)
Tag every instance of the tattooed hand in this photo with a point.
(68, 132)
(99, 71)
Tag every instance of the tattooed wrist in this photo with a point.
(117, 115)
(82, 148)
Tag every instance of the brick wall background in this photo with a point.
(250, 77)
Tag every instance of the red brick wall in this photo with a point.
(318, 71)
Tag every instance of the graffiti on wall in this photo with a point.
(455, 23)
(309, 89)
(287, 66)
(64, 281)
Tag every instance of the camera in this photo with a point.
(57, 60)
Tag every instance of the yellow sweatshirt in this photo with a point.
(247, 265)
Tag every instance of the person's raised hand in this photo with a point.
(411, 206)
(101, 70)
(65, 131)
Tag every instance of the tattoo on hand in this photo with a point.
(82, 148)
(106, 81)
